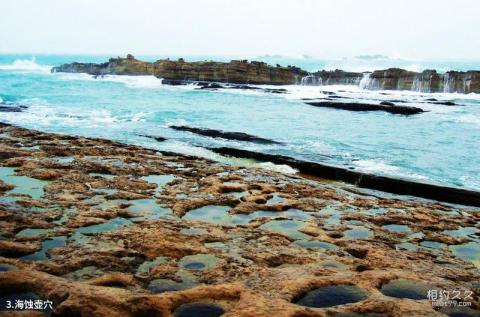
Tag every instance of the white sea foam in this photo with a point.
(73, 76)
(150, 82)
(29, 65)
(380, 167)
(469, 118)
(375, 166)
(285, 169)
(135, 81)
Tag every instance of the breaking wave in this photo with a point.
(26, 65)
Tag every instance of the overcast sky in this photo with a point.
(414, 29)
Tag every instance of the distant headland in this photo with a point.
(259, 73)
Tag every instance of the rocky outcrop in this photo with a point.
(244, 72)
(339, 77)
(236, 71)
(428, 81)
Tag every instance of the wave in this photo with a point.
(380, 167)
(150, 82)
(135, 81)
(26, 65)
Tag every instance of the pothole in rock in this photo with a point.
(275, 200)
(81, 234)
(332, 295)
(210, 214)
(199, 262)
(469, 252)
(397, 228)
(357, 233)
(159, 180)
(316, 244)
(23, 185)
(30, 233)
(198, 309)
(149, 206)
(55, 242)
(286, 227)
(403, 288)
(408, 246)
(463, 232)
(432, 245)
(239, 195)
(144, 268)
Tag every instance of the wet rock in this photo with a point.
(11, 107)
(92, 262)
(387, 103)
(5, 187)
(354, 106)
(15, 249)
(156, 138)
(398, 186)
(357, 252)
(239, 136)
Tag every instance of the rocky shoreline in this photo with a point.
(242, 72)
(108, 229)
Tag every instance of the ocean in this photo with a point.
(440, 146)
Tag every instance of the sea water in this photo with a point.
(439, 146)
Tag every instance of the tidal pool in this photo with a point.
(288, 228)
(469, 252)
(333, 295)
(198, 310)
(145, 266)
(55, 242)
(159, 180)
(23, 185)
(199, 262)
(150, 206)
(403, 288)
(32, 232)
(397, 228)
(316, 244)
(357, 233)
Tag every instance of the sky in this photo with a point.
(412, 29)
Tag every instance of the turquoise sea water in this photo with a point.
(441, 146)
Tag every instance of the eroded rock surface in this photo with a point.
(110, 229)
